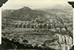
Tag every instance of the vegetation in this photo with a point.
(31, 37)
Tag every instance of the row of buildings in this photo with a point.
(42, 23)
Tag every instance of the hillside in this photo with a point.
(59, 19)
(24, 14)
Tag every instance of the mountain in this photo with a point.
(24, 14)
(28, 14)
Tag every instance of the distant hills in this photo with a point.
(27, 13)
(24, 14)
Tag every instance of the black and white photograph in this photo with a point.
(37, 26)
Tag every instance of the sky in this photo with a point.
(32, 5)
